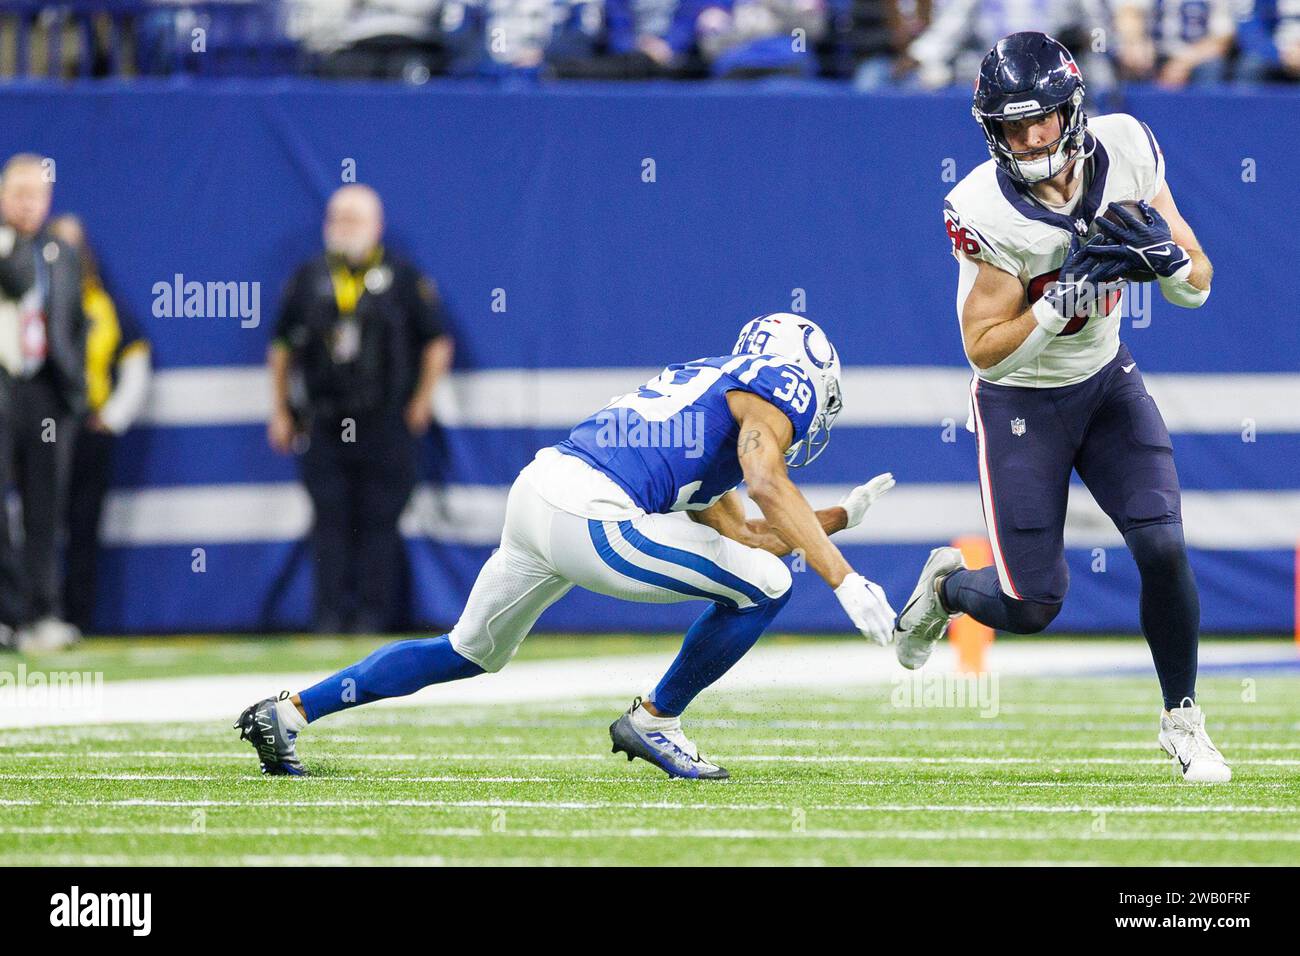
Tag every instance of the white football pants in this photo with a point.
(657, 559)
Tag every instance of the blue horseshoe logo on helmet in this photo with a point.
(807, 334)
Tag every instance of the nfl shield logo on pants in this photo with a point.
(1017, 426)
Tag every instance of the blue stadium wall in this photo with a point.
(541, 194)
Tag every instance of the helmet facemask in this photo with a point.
(1066, 148)
(809, 448)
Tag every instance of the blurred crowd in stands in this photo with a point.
(909, 44)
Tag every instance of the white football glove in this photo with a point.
(868, 608)
(857, 501)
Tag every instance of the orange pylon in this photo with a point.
(969, 636)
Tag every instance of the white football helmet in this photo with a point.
(802, 341)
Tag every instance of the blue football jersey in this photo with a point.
(671, 444)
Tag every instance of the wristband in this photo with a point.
(1048, 319)
(1028, 350)
(1180, 292)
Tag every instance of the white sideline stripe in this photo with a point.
(849, 664)
(1135, 809)
(878, 396)
(640, 833)
(201, 515)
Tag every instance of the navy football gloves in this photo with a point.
(1143, 241)
(1083, 277)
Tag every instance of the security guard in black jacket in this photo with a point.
(42, 393)
(360, 335)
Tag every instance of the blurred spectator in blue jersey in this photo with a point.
(501, 37)
(118, 370)
(961, 32)
(752, 38)
(643, 39)
(1268, 38)
(1174, 42)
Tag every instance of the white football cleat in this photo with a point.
(924, 619)
(47, 635)
(1183, 737)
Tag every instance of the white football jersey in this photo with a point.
(991, 217)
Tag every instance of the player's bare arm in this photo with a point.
(765, 434)
(727, 517)
(1202, 273)
(994, 320)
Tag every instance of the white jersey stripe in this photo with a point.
(986, 496)
(759, 364)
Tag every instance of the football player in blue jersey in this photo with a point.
(598, 511)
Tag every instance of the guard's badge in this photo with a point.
(1017, 426)
(378, 279)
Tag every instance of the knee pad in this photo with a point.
(1157, 547)
(1029, 617)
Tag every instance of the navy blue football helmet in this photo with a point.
(1028, 75)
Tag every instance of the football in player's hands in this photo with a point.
(1138, 210)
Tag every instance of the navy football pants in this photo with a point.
(1109, 430)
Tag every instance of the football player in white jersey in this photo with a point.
(599, 510)
(1044, 235)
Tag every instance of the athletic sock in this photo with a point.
(392, 671)
(718, 638)
(291, 719)
(979, 594)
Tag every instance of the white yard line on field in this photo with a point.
(833, 665)
(641, 833)
(471, 779)
(432, 757)
(670, 805)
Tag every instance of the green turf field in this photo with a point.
(1067, 772)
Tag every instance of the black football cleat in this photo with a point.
(660, 741)
(260, 725)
